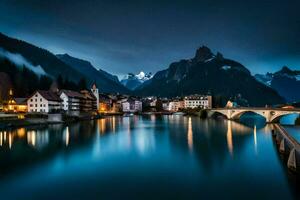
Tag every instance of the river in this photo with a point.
(144, 157)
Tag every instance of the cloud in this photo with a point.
(20, 61)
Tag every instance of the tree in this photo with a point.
(60, 82)
(82, 85)
(45, 82)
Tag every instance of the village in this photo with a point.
(57, 105)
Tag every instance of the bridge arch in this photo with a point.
(238, 115)
(277, 116)
(220, 113)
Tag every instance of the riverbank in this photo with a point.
(14, 120)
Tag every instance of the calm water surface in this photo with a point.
(144, 158)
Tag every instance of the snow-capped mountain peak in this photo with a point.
(141, 75)
(132, 81)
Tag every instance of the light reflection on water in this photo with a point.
(143, 157)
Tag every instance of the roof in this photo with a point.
(71, 93)
(50, 96)
(88, 94)
(21, 101)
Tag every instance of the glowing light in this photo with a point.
(21, 132)
(255, 139)
(1, 138)
(190, 134)
(4, 138)
(10, 140)
(67, 136)
(229, 137)
(103, 126)
(31, 138)
(114, 124)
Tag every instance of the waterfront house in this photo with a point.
(71, 101)
(105, 103)
(198, 101)
(89, 102)
(16, 105)
(43, 101)
(21, 105)
(165, 105)
(132, 105)
(175, 105)
(117, 101)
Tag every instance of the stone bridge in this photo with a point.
(271, 115)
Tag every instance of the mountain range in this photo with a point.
(209, 73)
(285, 81)
(205, 73)
(43, 61)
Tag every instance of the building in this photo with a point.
(175, 105)
(198, 101)
(71, 101)
(21, 105)
(132, 105)
(231, 104)
(15, 104)
(43, 101)
(95, 92)
(89, 102)
(165, 105)
(117, 101)
(105, 103)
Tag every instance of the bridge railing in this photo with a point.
(288, 145)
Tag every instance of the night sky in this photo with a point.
(129, 36)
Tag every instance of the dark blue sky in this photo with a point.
(129, 36)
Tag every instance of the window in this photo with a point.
(35, 105)
(41, 99)
(31, 100)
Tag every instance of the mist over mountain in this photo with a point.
(43, 62)
(209, 73)
(285, 81)
(20, 61)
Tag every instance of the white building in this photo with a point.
(175, 105)
(44, 102)
(71, 101)
(165, 105)
(132, 106)
(198, 101)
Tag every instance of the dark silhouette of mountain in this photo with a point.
(44, 60)
(38, 56)
(105, 81)
(209, 73)
(285, 81)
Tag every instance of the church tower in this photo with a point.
(95, 91)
